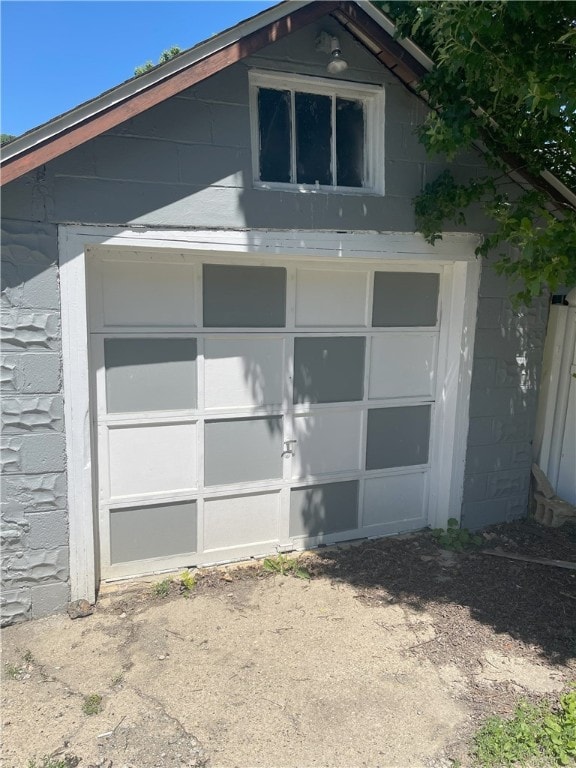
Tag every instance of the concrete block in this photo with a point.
(30, 287)
(490, 313)
(481, 431)
(32, 493)
(478, 514)
(494, 285)
(35, 566)
(508, 483)
(475, 488)
(31, 373)
(228, 166)
(28, 413)
(488, 458)
(49, 598)
(15, 606)
(178, 120)
(135, 159)
(34, 454)
(28, 330)
(230, 125)
(404, 178)
(228, 87)
(13, 537)
(47, 530)
(25, 242)
(504, 404)
(483, 373)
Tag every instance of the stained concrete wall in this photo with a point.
(187, 163)
(34, 532)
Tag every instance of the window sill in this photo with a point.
(311, 189)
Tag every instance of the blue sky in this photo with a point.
(56, 55)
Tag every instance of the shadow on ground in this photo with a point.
(530, 603)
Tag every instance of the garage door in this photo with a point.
(245, 408)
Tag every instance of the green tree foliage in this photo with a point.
(505, 77)
(165, 56)
(6, 137)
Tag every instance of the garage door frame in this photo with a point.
(75, 242)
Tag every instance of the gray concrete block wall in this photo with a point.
(505, 379)
(34, 530)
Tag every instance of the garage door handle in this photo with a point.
(288, 450)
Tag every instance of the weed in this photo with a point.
(455, 538)
(535, 732)
(68, 761)
(161, 588)
(117, 679)
(187, 583)
(27, 656)
(92, 704)
(13, 671)
(285, 565)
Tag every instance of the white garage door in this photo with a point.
(243, 408)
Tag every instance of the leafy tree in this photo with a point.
(165, 56)
(504, 77)
(6, 137)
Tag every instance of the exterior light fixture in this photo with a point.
(328, 43)
(337, 63)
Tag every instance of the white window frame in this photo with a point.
(371, 95)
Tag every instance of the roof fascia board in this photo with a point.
(136, 85)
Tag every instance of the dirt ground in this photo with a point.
(390, 656)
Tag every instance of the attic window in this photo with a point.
(316, 134)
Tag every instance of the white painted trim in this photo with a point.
(401, 250)
(372, 96)
(77, 417)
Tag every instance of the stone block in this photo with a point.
(31, 373)
(483, 373)
(507, 483)
(504, 404)
(13, 537)
(34, 454)
(478, 514)
(35, 566)
(22, 494)
(481, 431)
(30, 286)
(475, 488)
(15, 606)
(24, 242)
(489, 313)
(488, 458)
(47, 529)
(49, 598)
(25, 413)
(30, 330)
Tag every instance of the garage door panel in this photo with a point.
(402, 365)
(327, 441)
(326, 298)
(398, 437)
(136, 294)
(140, 533)
(241, 520)
(394, 499)
(324, 509)
(150, 374)
(243, 450)
(405, 299)
(244, 297)
(160, 458)
(328, 369)
(243, 372)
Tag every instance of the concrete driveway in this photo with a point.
(255, 672)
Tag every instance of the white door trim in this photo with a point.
(457, 250)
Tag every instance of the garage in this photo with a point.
(245, 407)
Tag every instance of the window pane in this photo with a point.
(274, 127)
(349, 142)
(313, 137)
